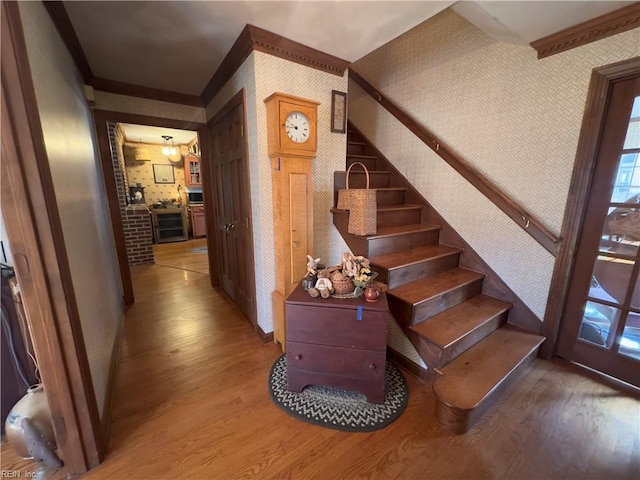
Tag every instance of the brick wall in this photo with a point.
(136, 221)
(137, 234)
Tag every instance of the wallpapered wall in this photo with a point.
(144, 106)
(142, 172)
(67, 127)
(515, 118)
(263, 74)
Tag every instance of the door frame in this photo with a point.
(212, 231)
(34, 231)
(602, 78)
(100, 118)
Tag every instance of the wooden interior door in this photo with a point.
(601, 326)
(232, 207)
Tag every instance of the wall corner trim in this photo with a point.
(62, 22)
(265, 337)
(604, 26)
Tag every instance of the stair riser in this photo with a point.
(370, 163)
(409, 273)
(390, 197)
(440, 303)
(357, 179)
(441, 356)
(355, 149)
(395, 218)
(384, 245)
(399, 243)
(401, 311)
(459, 421)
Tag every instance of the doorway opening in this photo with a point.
(145, 203)
(160, 170)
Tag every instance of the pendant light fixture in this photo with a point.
(166, 148)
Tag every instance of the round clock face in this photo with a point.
(297, 127)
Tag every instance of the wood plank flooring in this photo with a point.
(191, 402)
(180, 255)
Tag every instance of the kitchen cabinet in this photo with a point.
(198, 222)
(192, 174)
(169, 225)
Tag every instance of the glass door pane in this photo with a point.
(603, 307)
(609, 319)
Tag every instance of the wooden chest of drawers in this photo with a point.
(336, 342)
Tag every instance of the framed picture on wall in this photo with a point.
(338, 112)
(163, 173)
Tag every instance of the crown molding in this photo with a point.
(612, 23)
(282, 47)
(251, 38)
(254, 38)
(122, 88)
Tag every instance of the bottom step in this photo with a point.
(473, 382)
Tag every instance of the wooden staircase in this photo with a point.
(460, 332)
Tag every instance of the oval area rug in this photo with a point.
(337, 408)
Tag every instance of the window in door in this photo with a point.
(611, 317)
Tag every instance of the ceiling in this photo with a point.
(153, 135)
(178, 45)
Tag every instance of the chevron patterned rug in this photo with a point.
(336, 408)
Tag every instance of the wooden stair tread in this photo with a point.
(401, 229)
(404, 206)
(400, 259)
(359, 155)
(471, 377)
(448, 327)
(354, 142)
(392, 189)
(426, 288)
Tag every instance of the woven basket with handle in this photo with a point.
(361, 203)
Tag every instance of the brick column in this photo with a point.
(136, 219)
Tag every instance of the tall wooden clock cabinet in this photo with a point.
(292, 136)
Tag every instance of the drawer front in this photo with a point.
(348, 362)
(336, 326)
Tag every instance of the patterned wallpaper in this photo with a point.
(142, 172)
(145, 106)
(262, 75)
(515, 118)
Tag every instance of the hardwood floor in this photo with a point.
(191, 402)
(187, 255)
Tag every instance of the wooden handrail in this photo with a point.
(518, 214)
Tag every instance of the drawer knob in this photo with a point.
(298, 357)
(372, 366)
